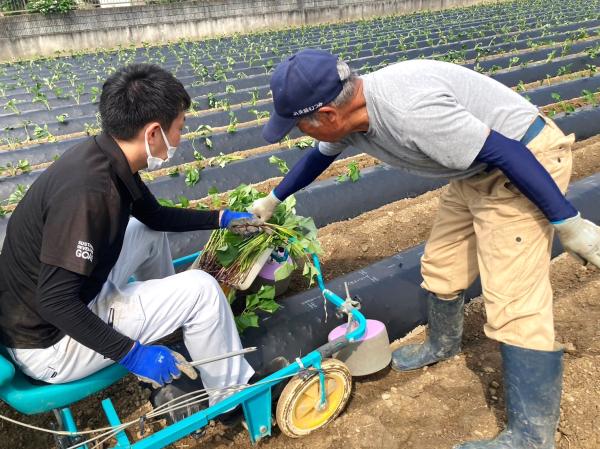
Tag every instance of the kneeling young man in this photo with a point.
(66, 307)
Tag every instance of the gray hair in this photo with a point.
(348, 77)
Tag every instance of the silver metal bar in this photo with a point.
(223, 356)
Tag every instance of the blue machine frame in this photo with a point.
(255, 399)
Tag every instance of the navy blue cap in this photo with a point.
(301, 84)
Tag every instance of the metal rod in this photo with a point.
(223, 356)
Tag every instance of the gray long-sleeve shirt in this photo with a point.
(432, 118)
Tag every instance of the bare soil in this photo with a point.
(433, 408)
(556, 79)
(569, 106)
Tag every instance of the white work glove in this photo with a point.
(263, 208)
(581, 238)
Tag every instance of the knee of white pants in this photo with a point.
(139, 229)
(139, 232)
(206, 289)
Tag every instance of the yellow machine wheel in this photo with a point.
(297, 409)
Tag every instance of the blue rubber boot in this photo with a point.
(444, 334)
(533, 385)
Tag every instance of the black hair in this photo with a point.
(138, 94)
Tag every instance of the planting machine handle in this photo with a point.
(358, 317)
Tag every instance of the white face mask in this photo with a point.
(154, 162)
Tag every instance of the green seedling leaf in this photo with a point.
(281, 164)
(184, 201)
(352, 173)
(266, 292)
(284, 271)
(146, 176)
(246, 320)
(227, 254)
(223, 159)
(269, 306)
(305, 142)
(18, 194)
(62, 118)
(311, 272)
(231, 295)
(192, 176)
(166, 202)
(252, 301)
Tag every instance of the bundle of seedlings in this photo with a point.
(235, 260)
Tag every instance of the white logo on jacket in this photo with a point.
(85, 251)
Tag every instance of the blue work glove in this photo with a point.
(242, 223)
(156, 365)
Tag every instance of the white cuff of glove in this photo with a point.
(581, 238)
(273, 198)
(568, 225)
(264, 207)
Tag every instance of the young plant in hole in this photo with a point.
(11, 105)
(564, 70)
(214, 198)
(10, 169)
(260, 115)
(590, 97)
(198, 156)
(146, 176)
(77, 92)
(11, 142)
(254, 96)
(42, 132)
(352, 173)
(17, 195)
(59, 92)
(192, 176)
(91, 129)
(39, 96)
(233, 122)
(62, 118)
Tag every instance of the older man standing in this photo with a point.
(509, 168)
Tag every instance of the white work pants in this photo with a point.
(154, 306)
